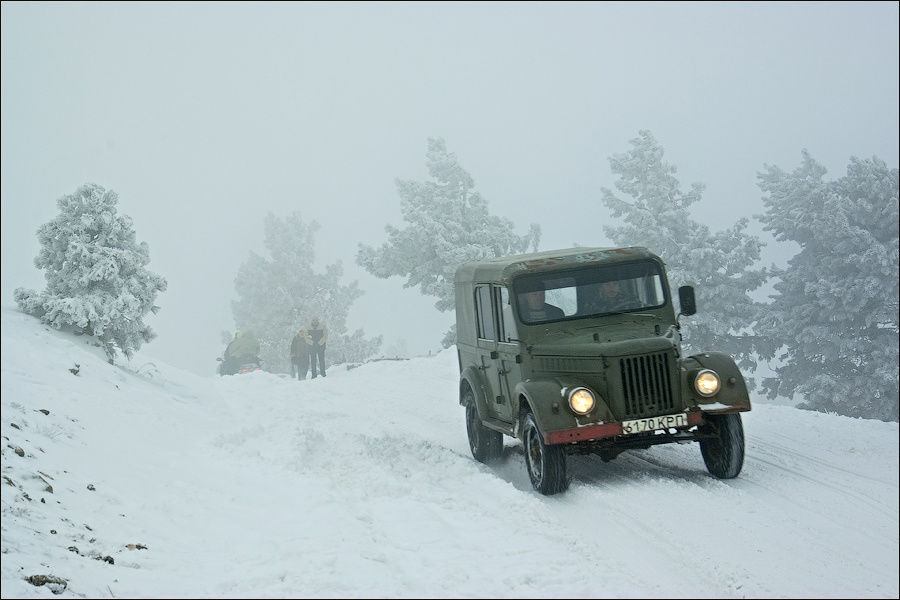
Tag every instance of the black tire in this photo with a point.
(724, 454)
(485, 443)
(546, 464)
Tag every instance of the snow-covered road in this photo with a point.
(361, 485)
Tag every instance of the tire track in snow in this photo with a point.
(782, 450)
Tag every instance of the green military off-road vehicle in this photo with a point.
(579, 351)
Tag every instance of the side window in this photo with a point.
(508, 332)
(484, 314)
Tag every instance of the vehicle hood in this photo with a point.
(607, 342)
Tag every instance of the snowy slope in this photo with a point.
(166, 484)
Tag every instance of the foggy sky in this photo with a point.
(204, 117)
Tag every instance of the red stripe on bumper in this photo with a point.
(577, 434)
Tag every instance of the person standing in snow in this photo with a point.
(318, 335)
(300, 346)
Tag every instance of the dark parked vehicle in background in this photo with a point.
(579, 351)
(227, 367)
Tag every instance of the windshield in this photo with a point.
(591, 291)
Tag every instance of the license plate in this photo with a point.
(654, 423)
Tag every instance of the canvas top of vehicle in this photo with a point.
(579, 350)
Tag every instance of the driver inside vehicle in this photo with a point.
(611, 297)
(533, 308)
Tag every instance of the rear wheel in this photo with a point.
(486, 444)
(724, 453)
(546, 463)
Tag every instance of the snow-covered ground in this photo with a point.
(144, 480)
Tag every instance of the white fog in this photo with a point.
(204, 117)
(752, 147)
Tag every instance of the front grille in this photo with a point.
(647, 384)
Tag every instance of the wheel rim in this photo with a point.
(535, 455)
(474, 437)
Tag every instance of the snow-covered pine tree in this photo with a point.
(834, 314)
(279, 294)
(719, 265)
(448, 225)
(97, 283)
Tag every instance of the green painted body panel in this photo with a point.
(632, 361)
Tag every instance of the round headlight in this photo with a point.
(706, 383)
(581, 400)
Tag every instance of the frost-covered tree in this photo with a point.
(277, 295)
(720, 265)
(97, 283)
(834, 314)
(448, 225)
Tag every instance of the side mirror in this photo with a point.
(686, 300)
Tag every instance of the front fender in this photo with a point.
(547, 399)
(733, 397)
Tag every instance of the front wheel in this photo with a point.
(546, 463)
(724, 453)
(486, 444)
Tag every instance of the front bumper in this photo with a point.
(599, 432)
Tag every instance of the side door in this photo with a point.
(509, 358)
(488, 354)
